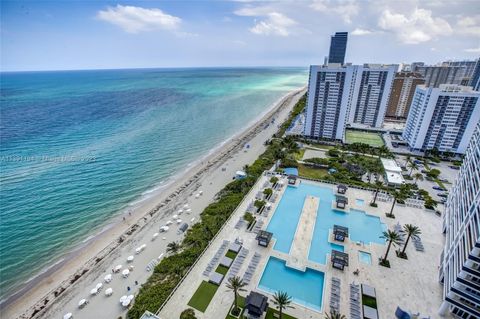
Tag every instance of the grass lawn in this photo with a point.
(372, 139)
(202, 297)
(241, 304)
(222, 270)
(270, 311)
(231, 254)
(299, 155)
(322, 146)
(310, 172)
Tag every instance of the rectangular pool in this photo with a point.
(305, 288)
(365, 257)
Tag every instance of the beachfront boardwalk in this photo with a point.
(303, 236)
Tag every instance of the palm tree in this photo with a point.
(173, 247)
(393, 238)
(396, 196)
(334, 315)
(412, 166)
(236, 284)
(417, 177)
(408, 159)
(411, 231)
(378, 184)
(282, 300)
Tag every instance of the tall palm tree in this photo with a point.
(236, 284)
(412, 166)
(334, 315)
(173, 247)
(282, 300)
(411, 231)
(417, 177)
(393, 238)
(408, 159)
(378, 185)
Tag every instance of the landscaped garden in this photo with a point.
(202, 297)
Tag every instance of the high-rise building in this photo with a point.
(340, 95)
(460, 260)
(338, 47)
(475, 79)
(403, 88)
(435, 75)
(442, 118)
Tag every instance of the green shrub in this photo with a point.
(274, 180)
(433, 173)
(248, 217)
(268, 191)
(188, 314)
(333, 152)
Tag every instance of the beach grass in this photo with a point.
(372, 139)
(310, 172)
(202, 297)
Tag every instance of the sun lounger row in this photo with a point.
(216, 258)
(238, 262)
(151, 265)
(335, 295)
(355, 308)
(240, 223)
(258, 226)
(252, 266)
(273, 198)
(417, 242)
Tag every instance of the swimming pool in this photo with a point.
(359, 202)
(365, 257)
(362, 227)
(291, 171)
(305, 288)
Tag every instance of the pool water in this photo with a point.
(305, 288)
(365, 257)
(359, 202)
(362, 227)
(291, 171)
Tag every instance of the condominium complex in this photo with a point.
(442, 118)
(338, 47)
(350, 94)
(403, 88)
(445, 73)
(460, 260)
(475, 79)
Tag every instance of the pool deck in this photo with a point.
(298, 256)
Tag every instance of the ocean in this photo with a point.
(78, 148)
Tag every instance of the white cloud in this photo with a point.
(347, 9)
(473, 50)
(419, 27)
(136, 19)
(360, 32)
(469, 26)
(271, 22)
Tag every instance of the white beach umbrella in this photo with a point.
(164, 238)
(175, 216)
(179, 221)
(126, 302)
(130, 258)
(68, 316)
(166, 228)
(125, 272)
(94, 291)
(154, 236)
(180, 211)
(130, 297)
(281, 182)
(82, 303)
(108, 292)
(138, 250)
(193, 219)
(169, 222)
(123, 298)
(117, 268)
(189, 211)
(268, 204)
(130, 268)
(160, 257)
(197, 196)
(99, 286)
(143, 246)
(200, 192)
(185, 206)
(108, 278)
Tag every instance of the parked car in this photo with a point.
(454, 167)
(444, 180)
(417, 162)
(439, 188)
(445, 195)
(424, 171)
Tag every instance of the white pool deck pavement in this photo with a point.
(411, 284)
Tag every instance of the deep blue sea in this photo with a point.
(77, 147)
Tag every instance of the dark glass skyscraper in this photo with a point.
(338, 46)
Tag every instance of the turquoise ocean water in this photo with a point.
(78, 147)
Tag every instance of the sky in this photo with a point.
(71, 35)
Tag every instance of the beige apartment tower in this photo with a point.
(403, 89)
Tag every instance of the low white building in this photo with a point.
(393, 172)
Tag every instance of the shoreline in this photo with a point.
(58, 279)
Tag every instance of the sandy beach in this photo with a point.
(59, 290)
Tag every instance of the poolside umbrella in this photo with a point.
(185, 206)
(154, 236)
(125, 273)
(117, 268)
(130, 258)
(94, 291)
(175, 216)
(68, 316)
(281, 182)
(99, 286)
(82, 303)
(108, 292)
(268, 204)
(108, 278)
(123, 298)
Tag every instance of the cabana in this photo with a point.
(215, 278)
(339, 259)
(226, 262)
(235, 247)
(292, 179)
(264, 237)
(340, 232)
(255, 305)
(342, 201)
(342, 189)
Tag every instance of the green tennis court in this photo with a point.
(372, 139)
